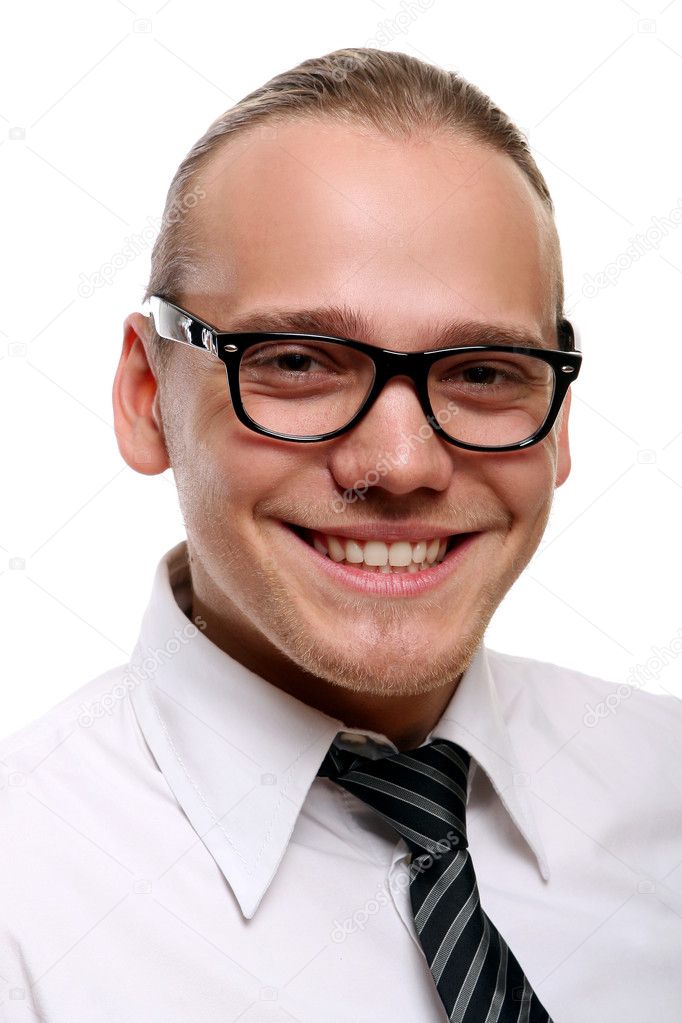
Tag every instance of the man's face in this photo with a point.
(412, 236)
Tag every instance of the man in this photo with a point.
(312, 792)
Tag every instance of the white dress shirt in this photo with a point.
(167, 852)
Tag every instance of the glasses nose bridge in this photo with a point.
(391, 364)
(414, 366)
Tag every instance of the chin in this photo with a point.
(366, 669)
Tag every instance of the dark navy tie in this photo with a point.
(422, 793)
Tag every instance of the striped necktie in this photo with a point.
(422, 793)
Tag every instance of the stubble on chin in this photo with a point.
(396, 669)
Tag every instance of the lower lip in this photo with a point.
(389, 584)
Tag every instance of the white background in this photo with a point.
(100, 102)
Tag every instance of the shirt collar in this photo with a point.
(240, 754)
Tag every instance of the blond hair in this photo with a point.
(389, 92)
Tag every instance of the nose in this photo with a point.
(393, 446)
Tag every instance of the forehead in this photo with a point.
(311, 212)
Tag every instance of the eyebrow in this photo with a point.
(339, 321)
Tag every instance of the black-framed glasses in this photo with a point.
(313, 387)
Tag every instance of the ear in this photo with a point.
(563, 465)
(137, 422)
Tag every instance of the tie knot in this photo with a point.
(422, 792)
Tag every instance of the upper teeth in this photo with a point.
(401, 553)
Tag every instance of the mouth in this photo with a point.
(379, 557)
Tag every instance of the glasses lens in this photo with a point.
(491, 399)
(303, 387)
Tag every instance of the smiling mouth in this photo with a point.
(376, 556)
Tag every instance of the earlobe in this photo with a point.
(137, 421)
(563, 463)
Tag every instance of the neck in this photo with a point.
(404, 719)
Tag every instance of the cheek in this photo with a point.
(203, 460)
(229, 470)
(524, 483)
